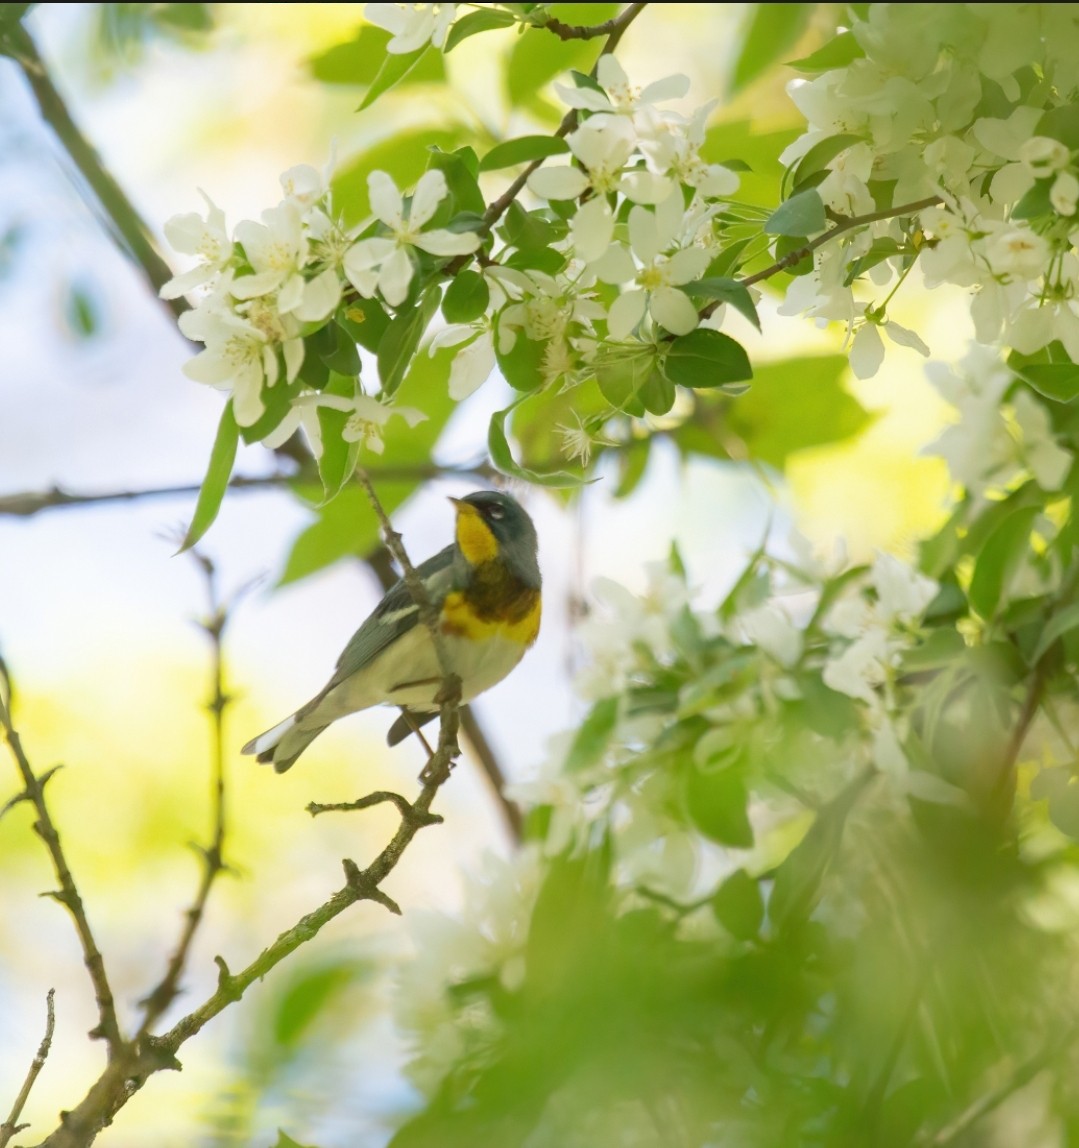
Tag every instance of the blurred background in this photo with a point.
(96, 612)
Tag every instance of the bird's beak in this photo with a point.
(457, 502)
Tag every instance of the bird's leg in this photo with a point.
(406, 714)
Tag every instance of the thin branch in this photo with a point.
(793, 257)
(108, 1027)
(381, 797)
(617, 24)
(162, 995)
(980, 1108)
(137, 238)
(476, 739)
(28, 503)
(11, 1125)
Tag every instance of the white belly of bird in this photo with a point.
(407, 674)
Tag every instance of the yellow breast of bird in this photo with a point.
(495, 604)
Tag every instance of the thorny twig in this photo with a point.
(11, 1125)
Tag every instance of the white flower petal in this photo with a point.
(866, 352)
(626, 312)
(444, 243)
(430, 192)
(592, 229)
(673, 310)
(320, 297)
(386, 200)
(644, 235)
(472, 367)
(395, 276)
(558, 182)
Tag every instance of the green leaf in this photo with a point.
(485, 20)
(365, 321)
(762, 185)
(357, 61)
(726, 291)
(819, 156)
(216, 482)
(284, 1140)
(657, 393)
(401, 339)
(1061, 124)
(522, 366)
(1035, 202)
(523, 149)
(394, 69)
(621, 375)
(716, 802)
(460, 168)
(705, 359)
(466, 297)
(773, 30)
(502, 457)
(1056, 381)
(999, 557)
(593, 736)
(338, 459)
(738, 906)
(403, 156)
(311, 991)
(1059, 625)
(840, 51)
(801, 215)
(795, 404)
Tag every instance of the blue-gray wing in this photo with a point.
(395, 615)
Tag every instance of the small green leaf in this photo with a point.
(1036, 202)
(524, 149)
(593, 736)
(726, 291)
(357, 61)
(522, 366)
(819, 156)
(460, 168)
(621, 375)
(338, 459)
(502, 457)
(485, 20)
(1064, 810)
(1062, 124)
(716, 802)
(657, 393)
(801, 215)
(365, 320)
(401, 339)
(466, 297)
(216, 482)
(394, 69)
(773, 30)
(738, 906)
(1059, 625)
(999, 557)
(1056, 381)
(840, 51)
(706, 358)
(284, 1140)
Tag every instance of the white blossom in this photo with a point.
(384, 263)
(413, 25)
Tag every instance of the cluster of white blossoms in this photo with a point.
(260, 292)
(970, 104)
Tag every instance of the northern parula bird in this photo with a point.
(486, 589)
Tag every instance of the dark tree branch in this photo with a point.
(28, 503)
(11, 1124)
(612, 28)
(68, 894)
(847, 224)
(137, 238)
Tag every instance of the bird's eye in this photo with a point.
(496, 512)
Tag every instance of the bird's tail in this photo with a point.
(283, 744)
